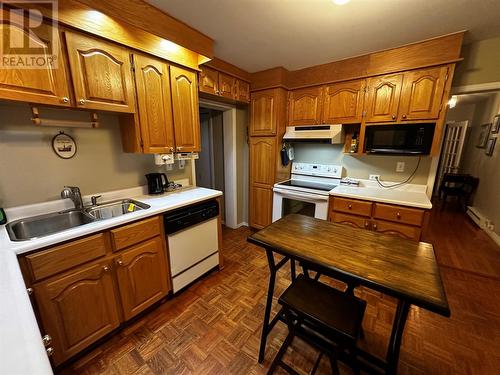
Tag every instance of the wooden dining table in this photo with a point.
(404, 269)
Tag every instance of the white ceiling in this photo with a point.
(261, 34)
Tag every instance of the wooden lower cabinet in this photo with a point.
(142, 276)
(401, 230)
(78, 308)
(405, 222)
(261, 206)
(82, 300)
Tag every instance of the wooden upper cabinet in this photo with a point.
(209, 80)
(383, 98)
(305, 106)
(422, 94)
(262, 156)
(142, 276)
(243, 91)
(263, 112)
(155, 108)
(185, 109)
(45, 85)
(227, 86)
(343, 102)
(101, 72)
(77, 308)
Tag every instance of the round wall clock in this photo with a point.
(64, 146)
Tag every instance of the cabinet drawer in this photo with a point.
(400, 230)
(351, 220)
(352, 206)
(405, 215)
(131, 234)
(61, 258)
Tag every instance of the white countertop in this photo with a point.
(410, 195)
(21, 348)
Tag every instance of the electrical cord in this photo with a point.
(405, 181)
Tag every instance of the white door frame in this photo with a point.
(230, 182)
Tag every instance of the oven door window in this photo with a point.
(294, 206)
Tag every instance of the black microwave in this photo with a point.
(401, 139)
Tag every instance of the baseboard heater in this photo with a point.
(477, 217)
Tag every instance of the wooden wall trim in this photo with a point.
(436, 51)
(151, 19)
(76, 15)
(228, 68)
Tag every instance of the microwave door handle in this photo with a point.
(302, 196)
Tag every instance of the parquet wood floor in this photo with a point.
(214, 327)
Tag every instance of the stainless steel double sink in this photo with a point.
(44, 225)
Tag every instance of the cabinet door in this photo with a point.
(400, 230)
(383, 98)
(142, 276)
(343, 102)
(155, 107)
(227, 86)
(185, 109)
(209, 80)
(243, 91)
(422, 94)
(45, 85)
(263, 113)
(351, 220)
(262, 160)
(101, 72)
(77, 308)
(305, 106)
(261, 206)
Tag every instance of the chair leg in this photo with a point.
(334, 365)
(281, 352)
(444, 201)
(316, 364)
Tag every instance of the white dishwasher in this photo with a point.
(193, 244)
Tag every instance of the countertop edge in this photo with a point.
(382, 200)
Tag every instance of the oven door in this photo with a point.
(287, 202)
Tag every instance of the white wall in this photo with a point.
(30, 172)
(487, 168)
(363, 166)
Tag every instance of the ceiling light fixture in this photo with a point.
(340, 2)
(452, 103)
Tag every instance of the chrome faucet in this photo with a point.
(73, 193)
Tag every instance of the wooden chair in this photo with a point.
(461, 186)
(324, 317)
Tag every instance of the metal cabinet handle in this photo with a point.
(374, 226)
(171, 149)
(47, 340)
(179, 148)
(119, 262)
(393, 117)
(105, 268)
(65, 99)
(29, 291)
(81, 101)
(367, 224)
(403, 116)
(50, 351)
(398, 215)
(349, 206)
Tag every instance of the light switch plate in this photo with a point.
(400, 166)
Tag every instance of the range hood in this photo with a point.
(315, 133)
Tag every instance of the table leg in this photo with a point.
(269, 301)
(396, 335)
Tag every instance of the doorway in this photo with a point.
(210, 164)
(217, 165)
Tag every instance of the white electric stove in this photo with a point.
(307, 191)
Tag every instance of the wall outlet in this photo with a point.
(374, 177)
(400, 166)
(182, 163)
